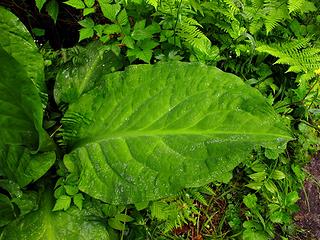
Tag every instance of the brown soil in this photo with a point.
(308, 218)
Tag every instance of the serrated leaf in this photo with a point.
(71, 190)
(78, 200)
(153, 28)
(140, 32)
(59, 192)
(99, 29)
(144, 55)
(189, 118)
(148, 44)
(128, 41)
(89, 3)
(113, 28)
(52, 8)
(85, 33)
(62, 203)
(110, 11)
(88, 11)
(87, 23)
(78, 4)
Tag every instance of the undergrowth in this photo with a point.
(272, 45)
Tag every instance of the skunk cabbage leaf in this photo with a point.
(16, 40)
(21, 134)
(20, 105)
(21, 166)
(151, 130)
(84, 72)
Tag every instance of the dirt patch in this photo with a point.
(308, 218)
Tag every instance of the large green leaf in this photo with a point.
(6, 210)
(21, 166)
(44, 224)
(20, 105)
(16, 40)
(152, 130)
(84, 72)
(21, 125)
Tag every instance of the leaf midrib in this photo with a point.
(211, 134)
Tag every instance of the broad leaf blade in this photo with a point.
(45, 224)
(7, 213)
(23, 167)
(20, 105)
(83, 74)
(16, 40)
(152, 130)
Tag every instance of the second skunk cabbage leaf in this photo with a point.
(21, 132)
(21, 166)
(16, 40)
(152, 130)
(84, 72)
(74, 224)
(20, 105)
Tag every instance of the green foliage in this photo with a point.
(179, 137)
(15, 37)
(114, 144)
(45, 224)
(299, 54)
(83, 71)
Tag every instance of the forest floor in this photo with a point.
(308, 218)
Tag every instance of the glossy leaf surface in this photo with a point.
(154, 129)
(16, 40)
(20, 105)
(23, 167)
(81, 75)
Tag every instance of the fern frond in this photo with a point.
(232, 6)
(276, 16)
(298, 54)
(197, 196)
(295, 5)
(188, 30)
(154, 3)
